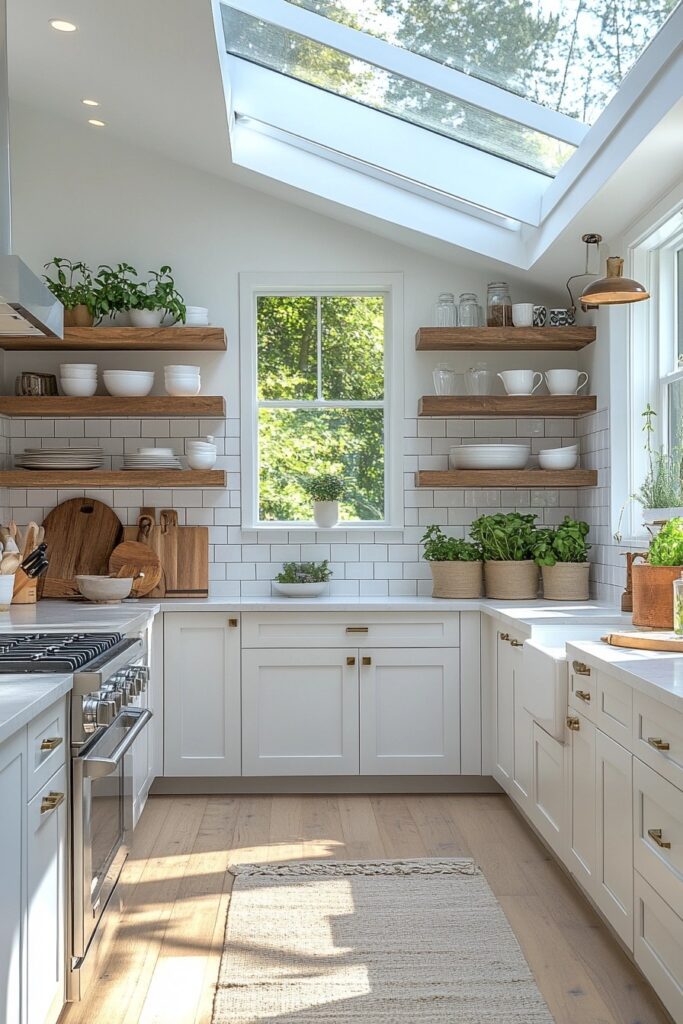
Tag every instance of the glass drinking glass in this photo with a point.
(468, 310)
(478, 380)
(444, 380)
(445, 312)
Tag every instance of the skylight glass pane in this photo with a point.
(329, 69)
(570, 55)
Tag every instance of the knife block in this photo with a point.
(25, 589)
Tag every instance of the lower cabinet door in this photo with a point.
(46, 922)
(504, 713)
(410, 711)
(300, 712)
(523, 743)
(614, 807)
(658, 946)
(581, 838)
(12, 875)
(548, 804)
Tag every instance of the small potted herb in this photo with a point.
(652, 580)
(302, 579)
(116, 289)
(456, 565)
(157, 299)
(325, 490)
(562, 554)
(75, 288)
(661, 493)
(507, 546)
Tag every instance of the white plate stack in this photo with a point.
(196, 316)
(78, 380)
(60, 458)
(152, 458)
(182, 381)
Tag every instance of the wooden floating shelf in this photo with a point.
(108, 405)
(511, 339)
(123, 339)
(90, 478)
(505, 405)
(507, 478)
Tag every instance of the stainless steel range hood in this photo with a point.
(27, 306)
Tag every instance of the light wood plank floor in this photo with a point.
(162, 967)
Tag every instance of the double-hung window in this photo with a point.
(320, 395)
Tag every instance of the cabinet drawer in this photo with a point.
(47, 743)
(337, 629)
(583, 688)
(658, 824)
(658, 737)
(658, 946)
(614, 708)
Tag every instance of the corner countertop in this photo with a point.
(22, 697)
(127, 617)
(656, 674)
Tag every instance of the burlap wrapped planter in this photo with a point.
(566, 581)
(653, 594)
(511, 581)
(457, 579)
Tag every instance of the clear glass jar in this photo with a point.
(498, 305)
(678, 606)
(444, 380)
(478, 380)
(445, 311)
(468, 310)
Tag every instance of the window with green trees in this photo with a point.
(321, 402)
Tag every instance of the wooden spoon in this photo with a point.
(9, 564)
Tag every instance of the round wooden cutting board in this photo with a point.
(80, 535)
(131, 558)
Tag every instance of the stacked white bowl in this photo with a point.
(128, 383)
(182, 380)
(201, 454)
(196, 316)
(78, 380)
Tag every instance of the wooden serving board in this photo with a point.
(131, 558)
(183, 551)
(650, 641)
(147, 532)
(80, 535)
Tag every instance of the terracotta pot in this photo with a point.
(653, 594)
(511, 581)
(457, 579)
(566, 581)
(78, 316)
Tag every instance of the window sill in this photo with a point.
(341, 527)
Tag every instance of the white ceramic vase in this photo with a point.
(326, 514)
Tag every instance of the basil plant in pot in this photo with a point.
(302, 579)
(507, 546)
(456, 565)
(325, 490)
(562, 554)
(652, 580)
(75, 288)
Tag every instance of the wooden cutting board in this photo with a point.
(131, 558)
(147, 532)
(184, 556)
(650, 641)
(80, 535)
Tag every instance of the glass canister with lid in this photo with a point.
(445, 311)
(498, 305)
(468, 310)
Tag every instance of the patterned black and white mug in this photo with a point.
(540, 316)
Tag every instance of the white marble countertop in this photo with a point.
(659, 675)
(22, 697)
(127, 617)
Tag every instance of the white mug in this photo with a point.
(565, 382)
(523, 314)
(521, 382)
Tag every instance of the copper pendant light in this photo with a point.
(611, 290)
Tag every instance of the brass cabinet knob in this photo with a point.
(573, 723)
(580, 668)
(233, 623)
(366, 661)
(583, 695)
(658, 743)
(516, 643)
(350, 661)
(50, 802)
(656, 835)
(504, 636)
(51, 742)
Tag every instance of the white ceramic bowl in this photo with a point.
(196, 461)
(75, 387)
(186, 390)
(299, 589)
(127, 384)
(132, 373)
(559, 458)
(198, 310)
(488, 456)
(82, 367)
(181, 369)
(105, 588)
(77, 375)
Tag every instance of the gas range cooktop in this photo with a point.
(55, 652)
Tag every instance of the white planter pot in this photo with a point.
(146, 317)
(658, 515)
(326, 514)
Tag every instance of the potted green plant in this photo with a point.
(661, 493)
(156, 299)
(74, 286)
(116, 289)
(302, 579)
(507, 545)
(456, 565)
(325, 490)
(652, 580)
(562, 554)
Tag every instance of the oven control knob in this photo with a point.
(123, 687)
(133, 681)
(143, 676)
(112, 692)
(97, 711)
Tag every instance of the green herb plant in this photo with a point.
(326, 487)
(564, 543)
(662, 486)
(667, 547)
(74, 284)
(160, 293)
(505, 537)
(304, 572)
(440, 548)
(117, 289)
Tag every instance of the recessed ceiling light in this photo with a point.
(96, 122)
(63, 26)
(90, 103)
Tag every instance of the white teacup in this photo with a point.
(521, 382)
(565, 382)
(522, 314)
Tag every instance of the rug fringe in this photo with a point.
(422, 866)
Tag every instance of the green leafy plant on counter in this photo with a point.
(160, 293)
(505, 537)
(304, 572)
(440, 548)
(326, 487)
(74, 284)
(117, 289)
(667, 547)
(563, 543)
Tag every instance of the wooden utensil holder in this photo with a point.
(25, 589)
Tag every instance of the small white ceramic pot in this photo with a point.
(326, 514)
(146, 317)
(522, 314)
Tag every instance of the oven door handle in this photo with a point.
(97, 767)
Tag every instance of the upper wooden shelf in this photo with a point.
(123, 339)
(174, 478)
(505, 405)
(514, 339)
(108, 405)
(506, 478)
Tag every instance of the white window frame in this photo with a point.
(253, 285)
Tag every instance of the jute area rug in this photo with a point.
(381, 942)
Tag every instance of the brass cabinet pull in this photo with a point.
(50, 802)
(583, 695)
(350, 661)
(51, 742)
(656, 834)
(658, 743)
(366, 661)
(573, 723)
(504, 636)
(580, 668)
(233, 623)
(356, 629)
(517, 643)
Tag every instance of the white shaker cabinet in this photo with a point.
(12, 876)
(300, 712)
(504, 711)
(547, 794)
(201, 694)
(613, 892)
(409, 711)
(581, 847)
